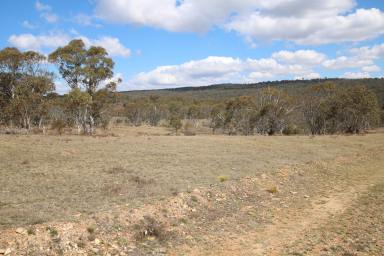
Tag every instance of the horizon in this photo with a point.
(193, 44)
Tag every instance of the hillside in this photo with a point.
(221, 91)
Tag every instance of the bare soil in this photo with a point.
(149, 194)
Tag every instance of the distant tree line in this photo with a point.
(28, 100)
(321, 109)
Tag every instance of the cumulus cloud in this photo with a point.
(33, 42)
(300, 64)
(358, 26)
(369, 69)
(363, 57)
(308, 57)
(215, 69)
(369, 52)
(347, 62)
(39, 42)
(356, 75)
(300, 21)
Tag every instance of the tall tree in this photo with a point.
(24, 83)
(88, 70)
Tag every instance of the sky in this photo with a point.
(175, 43)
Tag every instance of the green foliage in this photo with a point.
(24, 85)
(329, 109)
(85, 70)
(175, 122)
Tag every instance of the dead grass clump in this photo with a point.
(149, 227)
(52, 231)
(117, 170)
(31, 230)
(223, 178)
(141, 181)
(273, 190)
(112, 189)
(25, 162)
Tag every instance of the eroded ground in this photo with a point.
(203, 195)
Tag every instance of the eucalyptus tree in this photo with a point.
(24, 83)
(88, 72)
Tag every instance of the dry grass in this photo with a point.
(44, 178)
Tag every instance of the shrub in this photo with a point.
(223, 178)
(59, 125)
(189, 129)
(272, 190)
(150, 227)
(291, 130)
(175, 122)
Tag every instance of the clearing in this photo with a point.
(201, 195)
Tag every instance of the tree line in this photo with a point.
(320, 109)
(28, 100)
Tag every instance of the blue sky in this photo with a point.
(169, 43)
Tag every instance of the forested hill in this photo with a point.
(293, 87)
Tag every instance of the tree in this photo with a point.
(331, 110)
(90, 71)
(77, 105)
(11, 66)
(239, 115)
(274, 107)
(175, 122)
(217, 117)
(358, 109)
(317, 108)
(24, 84)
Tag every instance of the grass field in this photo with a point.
(52, 180)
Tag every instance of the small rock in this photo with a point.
(21, 231)
(97, 241)
(7, 251)
(293, 192)
(306, 196)
(95, 250)
(2, 251)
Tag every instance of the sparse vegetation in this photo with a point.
(150, 227)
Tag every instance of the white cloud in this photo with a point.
(216, 69)
(111, 44)
(362, 57)
(32, 42)
(42, 7)
(356, 75)
(38, 42)
(300, 64)
(300, 21)
(346, 62)
(358, 26)
(369, 52)
(309, 76)
(373, 68)
(308, 57)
